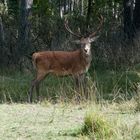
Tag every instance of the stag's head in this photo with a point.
(85, 42)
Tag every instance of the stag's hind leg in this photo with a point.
(35, 84)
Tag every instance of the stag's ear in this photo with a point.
(76, 41)
(93, 39)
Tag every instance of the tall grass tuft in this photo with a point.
(96, 126)
(137, 98)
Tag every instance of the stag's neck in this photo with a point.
(85, 59)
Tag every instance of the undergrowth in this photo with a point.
(101, 84)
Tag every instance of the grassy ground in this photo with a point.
(20, 121)
(64, 121)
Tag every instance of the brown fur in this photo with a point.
(60, 63)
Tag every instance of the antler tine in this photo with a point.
(69, 30)
(98, 28)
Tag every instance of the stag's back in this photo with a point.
(60, 62)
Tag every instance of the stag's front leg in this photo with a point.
(80, 85)
(83, 85)
(76, 87)
(37, 92)
(30, 93)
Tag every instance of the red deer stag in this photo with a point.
(62, 63)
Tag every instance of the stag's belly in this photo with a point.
(69, 71)
(60, 72)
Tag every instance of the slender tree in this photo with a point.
(2, 36)
(24, 27)
(88, 13)
(2, 41)
(128, 19)
(137, 16)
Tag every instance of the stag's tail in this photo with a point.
(34, 60)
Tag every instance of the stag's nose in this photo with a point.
(85, 50)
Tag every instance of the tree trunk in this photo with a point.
(81, 7)
(24, 27)
(2, 41)
(2, 36)
(88, 13)
(137, 16)
(65, 6)
(128, 19)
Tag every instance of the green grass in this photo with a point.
(118, 84)
(14, 87)
(20, 121)
(102, 84)
(65, 121)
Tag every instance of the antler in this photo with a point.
(69, 30)
(98, 28)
